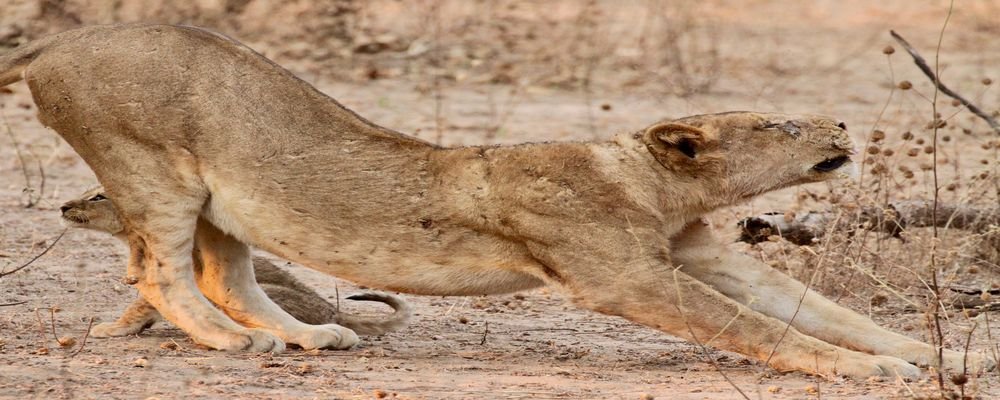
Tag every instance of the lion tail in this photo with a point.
(14, 62)
(369, 327)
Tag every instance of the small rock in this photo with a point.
(140, 362)
(67, 341)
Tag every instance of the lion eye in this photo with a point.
(98, 197)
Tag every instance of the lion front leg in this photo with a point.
(612, 277)
(773, 293)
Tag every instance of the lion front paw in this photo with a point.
(847, 363)
(865, 366)
(925, 355)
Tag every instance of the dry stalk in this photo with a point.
(936, 308)
(437, 63)
(25, 265)
(499, 116)
(680, 311)
(798, 306)
(52, 323)
(485, 332)
(86, 334)
(33, 199)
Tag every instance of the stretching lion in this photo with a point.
(202, 142)
(93, 210)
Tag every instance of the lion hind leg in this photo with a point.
(162, 267)
(228, 279)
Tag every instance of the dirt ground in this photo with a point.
(799, 57)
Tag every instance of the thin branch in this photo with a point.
(85, 336)
(13, 304)
(25, 265)
(32, 201)
(926, 69)
(485, 332)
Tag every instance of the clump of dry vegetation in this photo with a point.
(918, 231)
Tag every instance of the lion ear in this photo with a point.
(677, 144)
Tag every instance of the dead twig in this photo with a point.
(17, 303)
(32, 200)
(926, 69)
(893, 218)
(25, 265)
(83, 342)
(52, 323)
(485, 332)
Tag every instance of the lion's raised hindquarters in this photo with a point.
(94, 210)
(238, 151)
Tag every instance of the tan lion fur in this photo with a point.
(93, 210)
(200, 141)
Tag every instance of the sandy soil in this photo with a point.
(822, 59)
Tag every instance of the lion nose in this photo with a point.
(64, 209)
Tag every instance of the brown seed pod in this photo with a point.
(913, 152)
(987, 81)
(920, 141)
(929, 149)
(955, 103)
(66, 341)
(908, 174)
(887, 50)
(951, 187)
(984, 162)
(873, 150)
(888, 152)
(907, 135)
(945, 138)
(877, 135)
(905, 85)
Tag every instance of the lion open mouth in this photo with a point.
(831, 164)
